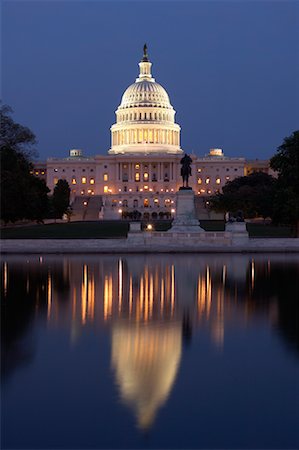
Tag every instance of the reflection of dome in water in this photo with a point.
(145, 358)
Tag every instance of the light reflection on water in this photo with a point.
(152, 308)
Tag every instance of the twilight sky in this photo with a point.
(231, 69)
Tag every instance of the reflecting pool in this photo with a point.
(150, 351)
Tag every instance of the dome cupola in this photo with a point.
(145, 118)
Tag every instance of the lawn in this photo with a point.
(72, 230)
(119, 229)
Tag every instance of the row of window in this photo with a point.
(147, 188)
(144, 116)
(74, 170)
(217, 170)
(208, 180)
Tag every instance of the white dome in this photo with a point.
(145, 118)
(145, 93)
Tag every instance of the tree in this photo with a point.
(61, 198)
(286, 163)
(252, 194)
(23, 195)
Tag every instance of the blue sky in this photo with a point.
(231, 69)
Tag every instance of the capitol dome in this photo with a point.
(145, 93)
(145, 118)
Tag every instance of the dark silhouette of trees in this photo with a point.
(23, 195)
(286, 163)
(61, 198)
(252, 194)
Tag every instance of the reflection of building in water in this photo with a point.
(151, 304)
(145, 358)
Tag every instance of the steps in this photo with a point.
(88, 211)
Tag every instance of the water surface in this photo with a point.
(166, 351)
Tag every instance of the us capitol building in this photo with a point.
(141, 173)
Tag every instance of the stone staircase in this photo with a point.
(93, 207)
(88, 211)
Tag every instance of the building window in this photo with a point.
(199, 181)
(83, 170)
(156, 201)
(74, 181)
(145, 176)
(105, 177)
(137, 176)
(105, 189)
(83, 180)
(43, 172)
(135, 203)
(125, 188)
(146, 203)
(55, 180)
(207, 180)
(125, 203)
(198, 170)
(218, 181)
(137, 166)
(92, 181)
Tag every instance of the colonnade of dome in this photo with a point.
(145, 116)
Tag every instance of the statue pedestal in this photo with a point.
(238, 230)
(185, 221)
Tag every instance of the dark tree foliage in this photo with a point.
(253, 194)
(23, 196)
(286, 164)
(61, 198)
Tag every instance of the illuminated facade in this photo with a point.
(141, 171)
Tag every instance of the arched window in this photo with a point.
(135, 203)
(146, 202)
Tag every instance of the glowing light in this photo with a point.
(85, 203)
(105, 189)
(92, 181)
(5, 278)
(149, 227)
(83, 180)
(252, 274)
(173, 210)
(49, 296)
(120, 211)
(120, 284)
(105, 177)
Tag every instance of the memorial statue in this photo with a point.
(186, 162)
